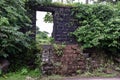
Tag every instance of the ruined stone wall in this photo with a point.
(63, 22)
(71, 61)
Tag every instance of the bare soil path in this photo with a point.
(93, 79)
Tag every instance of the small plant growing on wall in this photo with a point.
(59, 49)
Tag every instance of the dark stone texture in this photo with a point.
(66, 64)
(72, 61)
(63, 22)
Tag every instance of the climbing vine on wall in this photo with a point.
(59, 49)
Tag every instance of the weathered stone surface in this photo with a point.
(66, 64)
(70, 61)
(47, 55)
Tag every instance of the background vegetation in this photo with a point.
(99, 27)
(16, 46)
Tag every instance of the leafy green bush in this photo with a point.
(99, 26)
(16, 46)
(12, 41)
(13, 13)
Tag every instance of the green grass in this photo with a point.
(20, 76)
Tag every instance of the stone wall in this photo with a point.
(63, 22)
(72, 61)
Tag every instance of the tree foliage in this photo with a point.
(15, 45)
(13, 13)
(99, 26)
(12, 41)
(48, 18)
(13, 16)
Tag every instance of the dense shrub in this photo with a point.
(12, 41)
(99, 26)
(14, 45)
(13, 13)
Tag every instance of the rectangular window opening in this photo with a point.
(44, 27)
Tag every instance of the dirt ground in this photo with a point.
(93, 79)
